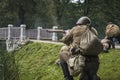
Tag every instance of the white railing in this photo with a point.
(21, 33)
(15, 36)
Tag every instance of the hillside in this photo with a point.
(36, 61)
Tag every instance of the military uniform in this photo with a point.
(112, 31)
(72, 40)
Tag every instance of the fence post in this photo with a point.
(22, 32)
(9, 41)
(10, 26)
(54, 36)
(38, 34)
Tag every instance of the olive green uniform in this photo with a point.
(91, 62)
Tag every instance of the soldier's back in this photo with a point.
(112, 30)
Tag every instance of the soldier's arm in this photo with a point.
(67, 39)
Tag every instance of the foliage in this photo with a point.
(110, 67)
(62, 13)
(37, 62)
(8, 67)
(45, 15)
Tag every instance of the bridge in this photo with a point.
(23, 33)
(15, 36)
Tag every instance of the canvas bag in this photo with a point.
(90, 44)
(76, 64)
(112, 30)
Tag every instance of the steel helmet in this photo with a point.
(83, 21)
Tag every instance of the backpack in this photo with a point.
(76, 64)
(90, 44)
(112, 30)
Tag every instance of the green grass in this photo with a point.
(8, 68)
(36, 61)
(110, 65)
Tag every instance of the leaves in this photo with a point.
(62, 13)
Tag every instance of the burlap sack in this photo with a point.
(90, 44)
(112, 30)
(76, 64)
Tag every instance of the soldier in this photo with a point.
(112, 32)
(72, 40)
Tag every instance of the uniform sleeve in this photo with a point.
(94, 31)
(67, 39)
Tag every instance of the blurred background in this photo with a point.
(61, 13)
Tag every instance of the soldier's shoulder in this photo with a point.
(94, 30)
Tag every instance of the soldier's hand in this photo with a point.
(75, 50)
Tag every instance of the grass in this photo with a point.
(8, 68)
(110, 65)
(36, 61)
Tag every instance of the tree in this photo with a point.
(67, 13)
(16, 11)
(45, 15)
(63, 13)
